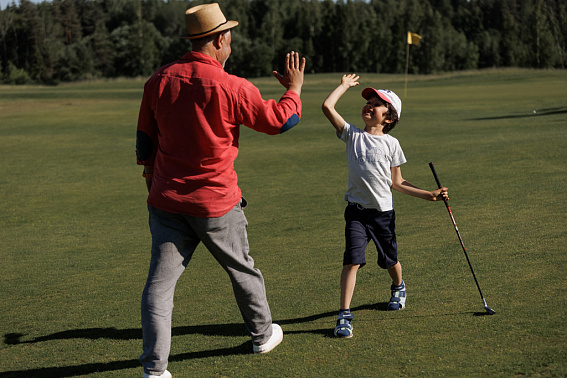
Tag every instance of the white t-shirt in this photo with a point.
(370, 158)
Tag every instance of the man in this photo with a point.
(187, 140)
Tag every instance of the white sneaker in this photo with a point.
(165, 374)
(274, 341)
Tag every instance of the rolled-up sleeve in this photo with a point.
(269, 117)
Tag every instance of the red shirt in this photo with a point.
(188, 130)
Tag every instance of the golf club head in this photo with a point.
(489, 310)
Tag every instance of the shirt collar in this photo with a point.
(200, 57)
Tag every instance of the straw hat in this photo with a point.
(204, 20)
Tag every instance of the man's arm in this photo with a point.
(329, 104)
(294, 70)
(146, 138)
(273, 117)
(148, 175)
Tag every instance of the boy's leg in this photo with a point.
(348, 282)
(383, 233)
(353, 259)
(398, 288)
(396, 274)
(343, 327)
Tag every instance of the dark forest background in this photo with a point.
(69, 40)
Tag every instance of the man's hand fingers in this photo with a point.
(295, 60)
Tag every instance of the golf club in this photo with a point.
(488, 309)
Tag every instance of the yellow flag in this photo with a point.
(413, 39)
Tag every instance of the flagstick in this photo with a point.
(407, 67)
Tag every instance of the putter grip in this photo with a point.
(435, 175)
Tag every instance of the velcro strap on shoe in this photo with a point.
(347, 316)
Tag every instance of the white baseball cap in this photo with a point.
(385, 95)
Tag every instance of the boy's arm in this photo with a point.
(328, 107)
(401, 185)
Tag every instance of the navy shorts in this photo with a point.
(363, 225)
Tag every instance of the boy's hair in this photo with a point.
(392, 115)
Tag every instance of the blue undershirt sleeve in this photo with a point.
(291, 122)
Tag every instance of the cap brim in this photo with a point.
(367, 92)
(228, 25)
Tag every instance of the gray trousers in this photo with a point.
(174, 239)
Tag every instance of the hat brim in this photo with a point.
(227, 25)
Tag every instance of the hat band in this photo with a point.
(208, 31)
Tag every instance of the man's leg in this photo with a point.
(226, 238)
(171, 251)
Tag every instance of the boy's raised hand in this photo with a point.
(350, 80)
(347, 81)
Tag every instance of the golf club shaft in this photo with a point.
(457, 230)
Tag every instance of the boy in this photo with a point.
(374, 160)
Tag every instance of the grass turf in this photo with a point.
(75, 241)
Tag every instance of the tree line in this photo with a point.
(69, 40)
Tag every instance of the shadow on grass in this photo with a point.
(483, 313)
(328, 331)
(78, 370)
(535, 113)
(231, 329)
(375, 307)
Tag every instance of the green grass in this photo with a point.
(75, 241)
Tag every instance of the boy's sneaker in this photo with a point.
(344, 325)
(165, 374)
(398, 299)
(273, 341)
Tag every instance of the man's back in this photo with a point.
(193, 110)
